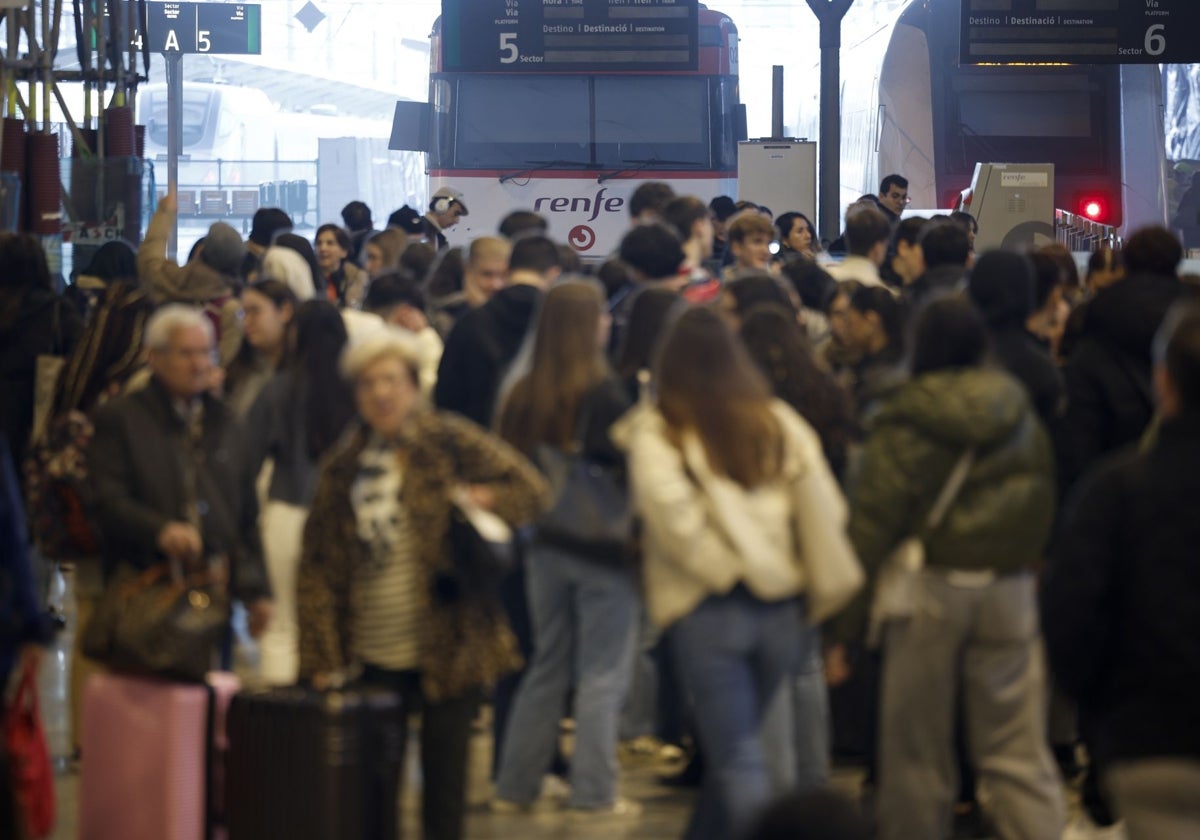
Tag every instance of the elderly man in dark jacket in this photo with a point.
(1119, 604)
(167, 484)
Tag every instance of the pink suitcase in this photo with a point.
(146, 757)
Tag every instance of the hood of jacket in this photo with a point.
(512, 310)
(1129, 313)
(978, 407)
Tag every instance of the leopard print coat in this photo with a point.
(466, 644)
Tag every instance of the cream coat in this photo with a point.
(703, 533)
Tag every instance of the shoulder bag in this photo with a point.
(896, 587)
(591, 514)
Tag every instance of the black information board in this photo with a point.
(1081, 31)
(558, 35)
(218, 28)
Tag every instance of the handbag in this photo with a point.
(481, 547)
(591, 514)
(896, 587)
(47, 370)
(160, 623)
(61, 507)
(29, 757)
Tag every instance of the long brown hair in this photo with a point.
(567, 363)
(707, 383)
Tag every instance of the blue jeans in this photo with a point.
(585, 628)
(796, 731)
(734, 654)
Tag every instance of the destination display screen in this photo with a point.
(1080, 31)
(545, 36)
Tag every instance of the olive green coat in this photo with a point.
(1002, 516)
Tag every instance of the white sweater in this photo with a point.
(704, 533)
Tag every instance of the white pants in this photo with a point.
(282, 528)
(980, 644)
(1159, 799)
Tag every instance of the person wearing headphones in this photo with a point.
(445, 209)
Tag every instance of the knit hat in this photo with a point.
(285, 265)
(1001, 287)
(223, 248)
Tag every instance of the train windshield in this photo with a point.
(588, 121)
(197, 105)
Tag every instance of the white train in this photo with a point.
(909, 107)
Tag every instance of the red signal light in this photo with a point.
(1094, 208)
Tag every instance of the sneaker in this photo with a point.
(620, 807)
(507, 806)
(649, 748)
(555, 788)
(1081, 828)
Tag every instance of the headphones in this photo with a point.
(441, 204)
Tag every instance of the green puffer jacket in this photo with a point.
(1001, 517)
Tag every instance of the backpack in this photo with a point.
(59, 493)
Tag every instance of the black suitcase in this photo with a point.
(310, 765)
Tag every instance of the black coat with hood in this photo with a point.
(1110, 398)
(41, 324)
(480, 348)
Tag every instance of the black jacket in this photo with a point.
(937, 280)
(1110, 400)
(137, 462)
(31, 334)
(1028, 360)
(1119, 599)
(480, 348)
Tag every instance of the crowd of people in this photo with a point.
(755, 483)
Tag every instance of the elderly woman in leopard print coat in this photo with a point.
(372, 591)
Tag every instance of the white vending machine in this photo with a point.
(780, 174)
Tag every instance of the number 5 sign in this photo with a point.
(215, 28)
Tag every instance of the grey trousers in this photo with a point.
(1159, 799)
(980, 643)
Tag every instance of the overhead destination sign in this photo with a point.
(559, 35)
(218, 28)
(1080, 31)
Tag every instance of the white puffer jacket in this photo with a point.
(703, 533)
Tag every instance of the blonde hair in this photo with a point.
(749, 223)
(488, 248)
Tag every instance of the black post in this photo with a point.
(174, 62)
(777, 102)
(830, 14)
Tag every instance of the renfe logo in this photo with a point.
(581, 238)
(581, 204)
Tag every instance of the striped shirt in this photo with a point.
(387, 622)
